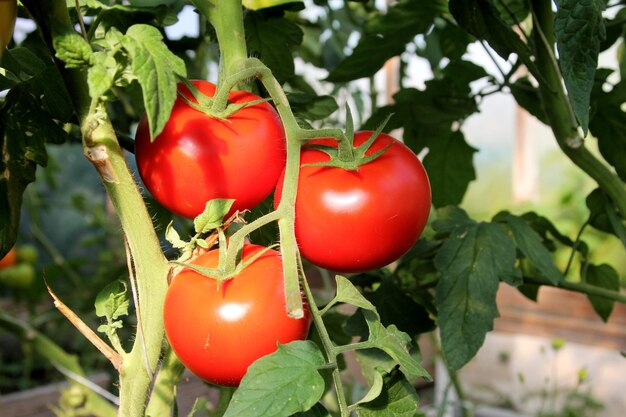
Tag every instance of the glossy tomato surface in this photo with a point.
(198, 158)
(9, 259)
(218, 333)
(353, 221)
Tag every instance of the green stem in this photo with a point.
(558, 109)
(580, 287)
(329, 348)
(164, 392)
(226, 17)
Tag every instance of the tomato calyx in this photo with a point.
(346, 155)
(210, 106)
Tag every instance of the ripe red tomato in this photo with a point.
(218, 333)
(198, 158)
(9, 259)
(353, 221)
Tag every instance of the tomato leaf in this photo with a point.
(608, 124)
(527, 96)
(73, 50)
(604, 216)
(311, 106)
(348, 293)
(579, 29)
(603, 276)
(111, 303)
(272, 40)
(450, 168)
(472, 261)
(318, 410)
(280, 384)
(376, 387)
(172, 236)
(394, 343)
(385, 36)
(213, 215)
(530, 244)
(483, 20)
(156, 69)
(399, 399)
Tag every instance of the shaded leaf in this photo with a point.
(527, 96)
(280, 384)
(603, 276)
(531, 245)
(579, 29)
(450, 168)
(398, 399)
(472, 261)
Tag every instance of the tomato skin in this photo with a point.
(354, 221)
(9, 259)
(198, 158)
(218, 333)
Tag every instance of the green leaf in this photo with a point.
(348, 293)
(398, 399)
(386, 35)
(512, 12)
(112, 301)
(604, 216)
(450, 218)
(531, 245)
(603, 276)
(482, 19)
(72, 49)
(156, 69)
(527, 96)
(450, 168)
(376, 387)
(372, 361)
(394, 343)
(213, 215)
(280, 384)
(608, 124)
(101, 74)
(318, 410)
(312, 106)
(272, 40)
(579, 29)
(172, 236)
(472, 261)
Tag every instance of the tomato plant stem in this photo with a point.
(559, 111)
(165, 385)
(330, 349)
(580, 287)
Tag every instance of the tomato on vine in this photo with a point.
(197, 157)
(364, 218)
(9, 259)
(217, 332)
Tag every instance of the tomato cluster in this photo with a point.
(17, 268)
(346, 220)
(218, 331)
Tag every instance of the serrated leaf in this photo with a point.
(172, 236)
(608, 124)
(398, 399)
(273, 40)
(394, 343)
(472, 261)
(450, 168)
(450, 218)
(112, 301)
(312, 106)
(72, 49)
(213, 214)
(348, 293)
(156, 69)
(101, 74)
(579, 29)
(482, 19)
(280, 384)
(531, 245)
(386, 35)
(603, 276)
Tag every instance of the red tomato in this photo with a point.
(218, 333)
(9, 259)
(353, 221)
(198, 158)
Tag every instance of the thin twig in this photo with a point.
(87, 383)
(81, 21)
(101, 345)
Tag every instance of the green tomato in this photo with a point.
(27, 253)
(19, 276)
